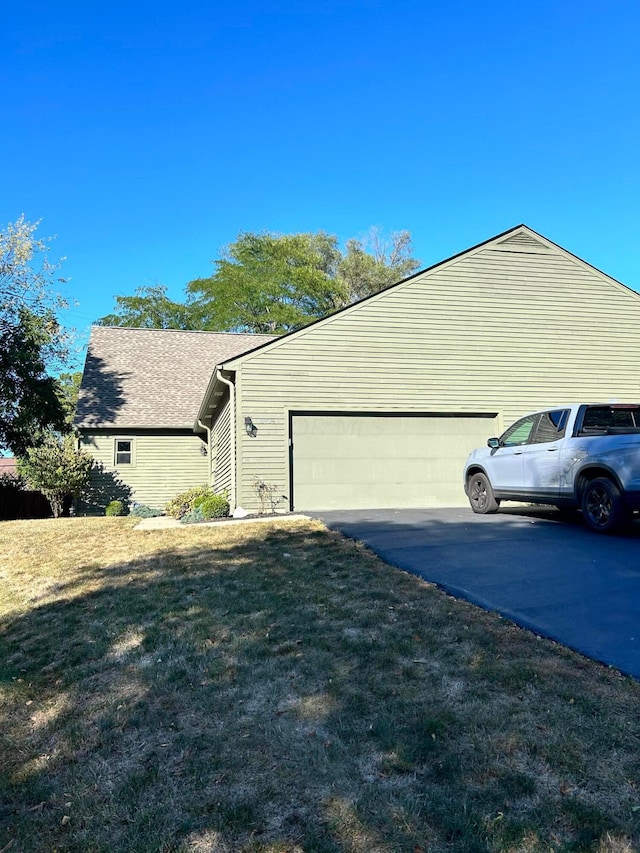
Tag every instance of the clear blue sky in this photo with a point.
(146, 135)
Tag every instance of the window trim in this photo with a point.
(132, 451)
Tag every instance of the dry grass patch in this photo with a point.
(272, 688)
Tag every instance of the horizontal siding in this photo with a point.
(509, 328)
(164, 465)
(221, 451)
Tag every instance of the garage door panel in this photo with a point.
(375, 461)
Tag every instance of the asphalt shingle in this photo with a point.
(152, 377)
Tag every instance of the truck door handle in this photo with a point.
(552, 449)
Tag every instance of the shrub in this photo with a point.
(184, 502)
(192, 517)
(115, 508)
(214, 506)
(143, 511)
(57, 468)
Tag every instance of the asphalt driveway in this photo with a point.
(534, 566)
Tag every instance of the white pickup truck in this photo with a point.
(583, 455)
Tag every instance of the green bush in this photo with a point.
(143, 511)
(184, 502)
(192, 517)
(115, 508)
(214, 506)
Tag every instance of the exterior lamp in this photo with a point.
(249, 427)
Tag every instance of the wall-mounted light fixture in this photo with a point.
(249, 426)
(203, 449)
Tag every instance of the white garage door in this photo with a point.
(349, 461)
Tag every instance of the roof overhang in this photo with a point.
(212, 398)
(106, 427)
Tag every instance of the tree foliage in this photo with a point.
(151, 308)
(373, 263)
(273, 283)
(57, 468)
(68, 390)
(31, 339)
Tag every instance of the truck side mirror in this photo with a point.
(493, 443)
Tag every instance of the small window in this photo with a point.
(124, 451)
(610, 417)
(551, 426)
(520, 432)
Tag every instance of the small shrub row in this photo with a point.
(198, 504)
(119, 507)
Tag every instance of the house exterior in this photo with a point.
(376, 405)
(8, 466)
(140, 393)
(379, 404)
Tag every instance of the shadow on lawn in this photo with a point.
(255, 698)
(191, 701)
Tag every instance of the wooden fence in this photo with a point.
(19, 503)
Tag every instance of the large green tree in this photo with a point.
(273, 283)
(151, 308)
(32, 343)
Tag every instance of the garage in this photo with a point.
(377, 405)
(350, 460)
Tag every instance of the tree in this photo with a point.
(57, 468)
(151, 308)
(273, 283)
(270, 283)
(31, 339)
(373, 263)
(68, 390)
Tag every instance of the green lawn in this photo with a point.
(273, 687)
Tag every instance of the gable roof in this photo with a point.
(520, 238)
(151, 377)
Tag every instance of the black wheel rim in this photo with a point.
(599, 507)
(478, 494)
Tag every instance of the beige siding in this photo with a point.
(506, 328)
(221, 451)
(163, 466)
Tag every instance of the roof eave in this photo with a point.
(132, 426)
(215, 388)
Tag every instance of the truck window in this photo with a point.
(606, 417)
(551, 426)
(519, 432)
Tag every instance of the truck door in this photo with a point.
(506, 468)
(543, 455)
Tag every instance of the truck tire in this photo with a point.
(602, 506)
(480, 493)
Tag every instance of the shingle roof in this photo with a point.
(151, 377)
(8, 466)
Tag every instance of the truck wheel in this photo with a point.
(602, 506)
(481, 495)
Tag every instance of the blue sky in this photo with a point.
(147, 135)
